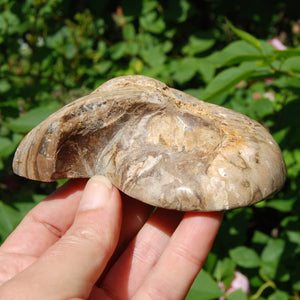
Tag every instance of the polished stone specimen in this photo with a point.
(156, 144)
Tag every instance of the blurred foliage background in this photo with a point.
(52, 52)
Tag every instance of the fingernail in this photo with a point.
(96, 193)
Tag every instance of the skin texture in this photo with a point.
(81, 243)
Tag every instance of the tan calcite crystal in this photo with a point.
(156, 144)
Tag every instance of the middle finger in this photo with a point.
(142, 253)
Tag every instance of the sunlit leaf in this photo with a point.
(26, 122)
(224, 81)
(235, 53)
(288, 53)
(294, 64)
(204, 287)
(245, 257)
(237, 295)
(4, 85)
(128, 32)
(9, 218)
(279, 295)
(185, 69)
(246, 37)
(198, 43)
(152, 22)
(178, 10)
(271, 256)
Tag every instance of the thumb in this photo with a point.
(70, 268)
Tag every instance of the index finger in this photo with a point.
(46, 222)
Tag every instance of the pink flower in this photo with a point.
(239, 281)
(277, 44)
(269, 81)
(296, 29)
(256, 96)
(270, 96)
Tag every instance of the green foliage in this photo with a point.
(205, 288)
(245, 257)
(52, 52)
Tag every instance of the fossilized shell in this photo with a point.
(156, 144)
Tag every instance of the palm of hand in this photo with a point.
(60, 252)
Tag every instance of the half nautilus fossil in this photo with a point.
(156, 144)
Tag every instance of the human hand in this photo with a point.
(80, 243)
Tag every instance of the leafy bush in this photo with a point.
(53, 52)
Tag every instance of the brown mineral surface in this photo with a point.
(156, 144)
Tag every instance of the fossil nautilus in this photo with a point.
(156, 144)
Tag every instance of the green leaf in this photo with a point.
(271, 256)
(136, 65)
(198, 44)
(204, 288)
(185, 69)
(167, 46)
(132, 49)
(8, 146)
(224, 81)
(235, 53)
(293, 63)
(128, 32)
(5, 146)
(118, 50)
(210, 262)
(291, 225)
(28, 121)
(224, 271)
(237, 295)
(70, 50)
(261, 71)
(9, 23)
(9, 218)
(245, 257)
(153, 56)
(279, 295)
(178, 11)
(283, 205)
(296, 283)
(4, 86)
(288, 53)
(260, 238)
(293, 236)
(206, 69)
(103, 66)
(152, 22)
(194, 92)
(263, 107)
(12, 214)
(246, 37)
(148, 6)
